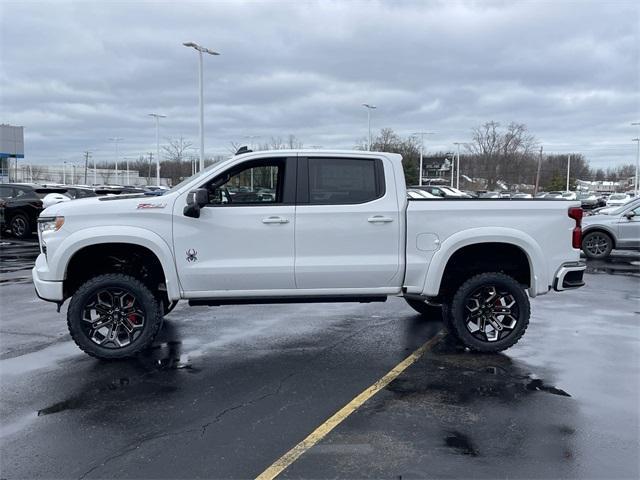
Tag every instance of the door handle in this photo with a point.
(275, 220)
(379, 219)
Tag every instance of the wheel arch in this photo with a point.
(90, 243)
(502, 245)
(601, 229)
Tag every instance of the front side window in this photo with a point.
(335, 181)
(252, 183)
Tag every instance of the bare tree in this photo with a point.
(176, 150)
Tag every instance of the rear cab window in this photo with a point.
(340, 181)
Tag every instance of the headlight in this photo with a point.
(50, 224)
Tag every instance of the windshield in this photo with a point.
(624, 207)
(618, 196)
(178, 186)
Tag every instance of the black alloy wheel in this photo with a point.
(114, 316)
(490, 312)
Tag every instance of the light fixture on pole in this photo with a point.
(157, 116)
(637, 140)
(116, 140)
(369, 108)
(422, 134)
(457, 144)
(200, 49)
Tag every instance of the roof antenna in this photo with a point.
(243, 149)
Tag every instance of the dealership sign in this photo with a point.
(11, 141)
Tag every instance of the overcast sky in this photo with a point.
(75, 74)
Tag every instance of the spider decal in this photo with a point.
(192, 255)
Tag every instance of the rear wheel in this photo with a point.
(19, 225)
(490, 312)
(113, 316)
(597, 245)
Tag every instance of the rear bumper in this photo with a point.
(569, 276)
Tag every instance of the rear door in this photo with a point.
(347, 232)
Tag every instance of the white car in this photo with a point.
(417, 194)
(618, 199)
(339, 228)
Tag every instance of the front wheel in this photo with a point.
(490, 312)
(113, 316)
(20, 227)
(597, 245)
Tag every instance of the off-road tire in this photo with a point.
(459, 311)
(151, 306)
(603, 247)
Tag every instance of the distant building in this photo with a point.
(11, 147)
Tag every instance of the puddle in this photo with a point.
(460, 443)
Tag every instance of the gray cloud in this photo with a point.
(76, 73)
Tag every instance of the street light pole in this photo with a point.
(201, 50)
(116, 140)
(369, 108)
(64, 173)
(636, 186)
(568, 169)
(637, 140)
(157, 116)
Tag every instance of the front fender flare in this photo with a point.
(455, 242)
(114, 234)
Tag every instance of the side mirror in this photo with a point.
(195, 200)
(630, 214)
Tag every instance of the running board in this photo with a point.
(215, 302)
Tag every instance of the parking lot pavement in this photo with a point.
(226, 391)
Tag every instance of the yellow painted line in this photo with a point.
(319, 433)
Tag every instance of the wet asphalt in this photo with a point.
(225, 391)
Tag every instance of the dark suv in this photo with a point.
(20, 205)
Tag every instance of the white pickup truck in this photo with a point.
(302, 226)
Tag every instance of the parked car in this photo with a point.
(416, 193)
(21, 205)
(521, 195)
(437, 191)
(490, 195)
(540, 195)
(569, 195)
(556, 195)
(588, 200)
(340, 228)
(618, 199)
(617, 228)
(74, 192)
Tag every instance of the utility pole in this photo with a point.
(87, 154)
(535, 190)
(422, 134)
(568, 169)
(457, 144)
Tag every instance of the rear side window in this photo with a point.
(5, 192)
(334, 181)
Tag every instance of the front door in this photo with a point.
(629, 230)
(347, 224)
(243, 240)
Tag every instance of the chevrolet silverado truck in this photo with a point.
(302, 226)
